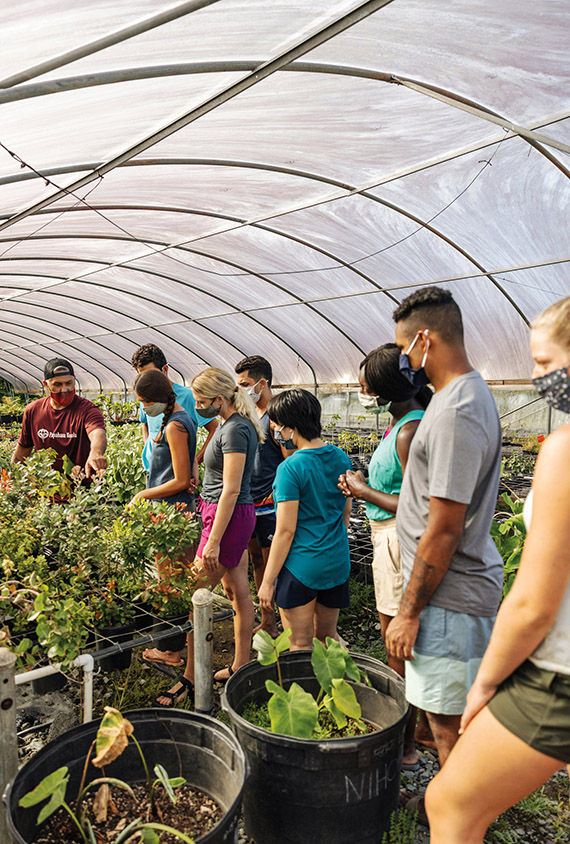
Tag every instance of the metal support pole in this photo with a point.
(8, 736)
(203, 649)
(549, 423)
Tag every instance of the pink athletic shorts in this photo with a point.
(236, 536)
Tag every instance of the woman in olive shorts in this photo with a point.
(516, 725)
(228, 514)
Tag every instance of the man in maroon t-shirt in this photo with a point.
(64, 421)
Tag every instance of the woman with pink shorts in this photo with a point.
(228, 514)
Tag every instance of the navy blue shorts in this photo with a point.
(291, 593)
(264, 529)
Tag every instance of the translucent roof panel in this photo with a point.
(223, 178)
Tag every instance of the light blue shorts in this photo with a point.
(447, 655)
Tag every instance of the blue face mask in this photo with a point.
(416, 377)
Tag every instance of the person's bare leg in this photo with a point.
(423, 734)
(205, 579)
(445, 729)
(410, 756)
(236, 586)
(164, 568)
(325, 621)
(301, 622)
(489, 770)
(259, 557)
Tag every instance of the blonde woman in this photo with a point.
(516, 725)
(227, 510)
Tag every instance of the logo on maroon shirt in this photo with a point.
(43, 434)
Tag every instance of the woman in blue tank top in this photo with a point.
(173, 471)
(383, 385)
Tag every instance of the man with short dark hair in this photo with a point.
(150, 356)
(255, 375)
(452, 569)
(71, 425)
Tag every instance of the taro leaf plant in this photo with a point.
(295, 712)
(111, 740)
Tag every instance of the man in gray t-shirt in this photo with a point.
(452, 570)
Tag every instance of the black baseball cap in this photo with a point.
(57, 366)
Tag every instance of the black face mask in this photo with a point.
(208, 412)
(280, 440)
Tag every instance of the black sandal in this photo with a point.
(186, 693)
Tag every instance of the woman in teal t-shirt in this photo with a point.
(383, 384)
(309, 557)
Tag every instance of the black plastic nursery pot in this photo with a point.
(187, 744)
(177, 641)
(305, 791)
(120, 660)
(50, 683)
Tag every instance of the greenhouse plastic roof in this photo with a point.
(232, 177)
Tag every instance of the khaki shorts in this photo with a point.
(534, 705)
(386, 566)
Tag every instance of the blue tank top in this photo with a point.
(385, 469)
(161, 470)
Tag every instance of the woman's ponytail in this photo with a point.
(245, 407)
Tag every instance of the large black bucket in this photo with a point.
(186, 743)
(304, 791)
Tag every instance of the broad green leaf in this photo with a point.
(274, 689)
(328, 663)
(268, 649)
(149, 836)
(338, 716)
(354, 673)
(45, 788)
(162, 778)
(68, 465)
(345, 698)
(53, 804)
(294, 713)
(112, 737)
(176, 782)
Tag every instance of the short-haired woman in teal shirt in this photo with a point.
(309, 557)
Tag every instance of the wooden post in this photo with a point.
(8, 736)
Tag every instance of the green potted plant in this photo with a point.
(302, 788)
(108, 780)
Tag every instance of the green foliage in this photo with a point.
(509, 533)
(403, 828)
(12, 406)
(111, 741)
(125, 474)
(294, 711)
(519, 463)
(117, 410)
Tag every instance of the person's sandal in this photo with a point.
(217, 679)
(186, 693)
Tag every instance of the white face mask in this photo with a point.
(252, 394)
(367, 401)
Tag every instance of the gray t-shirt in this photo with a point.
(236, 434)
(456, 454)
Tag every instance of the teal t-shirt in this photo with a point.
(385, 469)
(319, 555)
(185, 398)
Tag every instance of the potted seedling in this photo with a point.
(178, 775)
